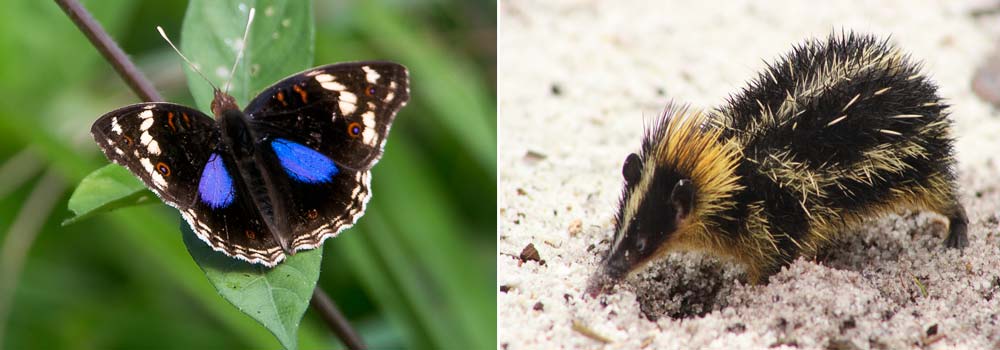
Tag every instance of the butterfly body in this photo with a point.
(282, 175)
(252, 161)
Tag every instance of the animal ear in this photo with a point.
(632, 169)
(682, 197)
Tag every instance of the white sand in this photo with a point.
(615, 63)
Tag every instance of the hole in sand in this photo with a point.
(685, 285)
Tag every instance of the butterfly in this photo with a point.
(282, 175)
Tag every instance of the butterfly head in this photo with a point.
(223, 102)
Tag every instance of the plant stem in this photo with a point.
(327, 309)
(110, 50)
(145, 90)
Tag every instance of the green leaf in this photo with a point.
(106, 189)
(276, 297)
(281, 43)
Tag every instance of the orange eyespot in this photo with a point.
(370, 90)
(250, 234)
(128, 140)
(354, 129)
(312, 214)
(163, 168)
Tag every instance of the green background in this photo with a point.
(416, 272)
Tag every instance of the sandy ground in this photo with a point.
(576, 80)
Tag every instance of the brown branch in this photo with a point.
(144, 88)
(110, 50)
(326, 308)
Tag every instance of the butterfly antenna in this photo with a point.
(243, 46)
(164, 35)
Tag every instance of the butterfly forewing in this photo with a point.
(165, 145)
(342, 110)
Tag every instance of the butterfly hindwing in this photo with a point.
(344, 111)
(225, 216)
(320, 198)
(324, 210)
(165, 145)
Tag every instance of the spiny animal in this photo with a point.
(838, 132)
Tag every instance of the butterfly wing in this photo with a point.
(225, 215)
(320, 199)
(315, 218)
(326, 128)
(342, 110)
(163, 144)
(175, 151)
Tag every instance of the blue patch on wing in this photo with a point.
(216, 186)
(303, 163)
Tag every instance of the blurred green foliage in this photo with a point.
(416, 272)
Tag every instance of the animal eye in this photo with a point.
(632, 169)
(163, 169)
(354, 129)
